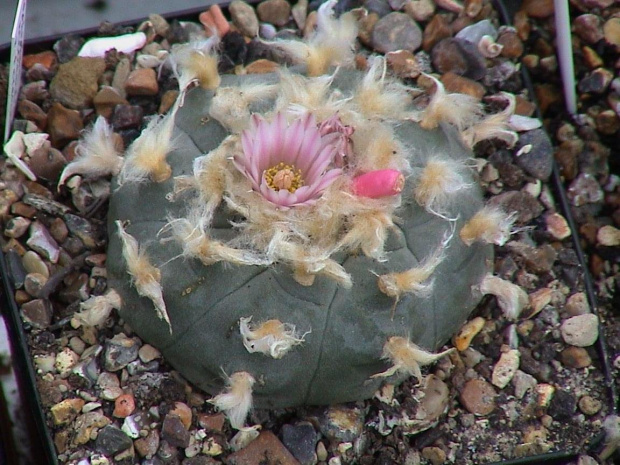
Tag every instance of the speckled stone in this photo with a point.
(244, 17)
(396, 31)
(580, 330)
(76, 82)
(478, 397)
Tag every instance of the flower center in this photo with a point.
(283, 176)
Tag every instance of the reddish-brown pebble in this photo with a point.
(478, 397)
(213, 422)
(403, 63)
(124, 405)
(213, 19)
(538, 8)
(106, 99)
(262, 66)
(455, 83)
(64, 125)
(32, 112)
(511, 43)
(142, 81)
(47, 59)
(266, 447)
(167, 100)
(184, 413)
(436, 30)
(575, 357)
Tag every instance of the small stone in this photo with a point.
(127, 117)
(167, 100)
(276, 12)
(111, 440)
(64, 125)
(184, 413)
(84, 230)
(38, 313)
(607, 122)
(396, 31)
(596, 82)
(244, 17)
(539, 300)
(403, 63)
(262, 66)
(68, 47)
(478, 397)
(65, 361)
(35, 91)
(580, 330)
(106, 99)
(124, 405)
(300, 439)
(435, 455)
(589, 405)
(148, 353)
(214, 422)
(147, 446)
(591, 59)
(32, 112)
(585, 189)
(611, 31)
(526, 206)
(474, 32)
(42, 242)
(563, 405)
(505, 368)
(537, 161)
(512, 45)
(538, 8)
(76, 82)
(17, 227)
(300, 13)
(557, 226)
(34, 283)
(33, 263)
(119, 352)
(462, 85)
(341, 423)
(437, 29)
(420, 10)
(174, 431)
(523, 383)
(575, 357)
(66, 411)
(365, 27)
(142, 81)
(589, 28)
(87, 425)
(451, 55)
(47, 58)
(213, 20)
(577, 304)
(468, 331)
(265, 445)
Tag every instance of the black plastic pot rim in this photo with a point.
(43, 447)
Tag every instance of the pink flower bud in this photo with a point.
(377, 184)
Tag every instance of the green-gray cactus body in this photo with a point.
(344, 330)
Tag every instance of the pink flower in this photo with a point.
(288, 165)
(342, 135)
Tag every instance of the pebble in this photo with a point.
(563, 405)
(32, 112)
(478, 397)
(301, 439)
(300, 13)
(38, 313)
(119, 351)
(589, 28)
(213, 20)
(76, 82)
(512, 46)
(34, 283)
(580, 330)
(64, 124)
(111, 440)
(539, 300)
(451, 55)
(575, 357)
(124, 405)
(611, 31)
(265, 445)
(46, 58)
(131, 426)
(435, 455)
(147, 446)
(127, 117)
(462, 85)
(16, 227)
(538, 161)
(262, 66)
(68, 47)
(184, 413)
(64, 412)
(505, 368)
(148, 353)
(537, 8)
(437, 29)
(420, 10)
(212, 422)
(276, 12)
(577, 304)
(87, 425)
(557, 226)
(526, 206)
(173, 431)
(589, 405)
(142, 81)
(106, 99)
(396, 31)
(342, 423)
(596, 82)
(244, 17)
(472, 34)
(523, 383)
(468, 331)
(607, 122)
(42, 242)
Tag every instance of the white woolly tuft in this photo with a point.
(96, 310)
(271, 337)
(146, 156)
(510, 297)
(407, 357)
(332, 43)
(496, 126)
(368, 231)
(490, 224)
(146, 278)
(97, 154)
(231, 105)
(439, 180)
(236, 400)
(460, 110)
(196, 62)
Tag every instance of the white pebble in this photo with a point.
(505, 368)
(580, 330)
(126, 43)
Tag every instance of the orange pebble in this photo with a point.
(124, 406)
(184, 413)
(214, 19)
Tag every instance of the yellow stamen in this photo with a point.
(283, 176)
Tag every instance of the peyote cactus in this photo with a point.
(300, 237)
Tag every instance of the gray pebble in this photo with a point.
(585, 189)
(473, 33)
(537, 161)
(563, 405)
(17, 227)
(381, 7)
(37, 313)
(300, 439)
(119, 352)
(174, 432)
(111, 440)
(244, 17)
(68, 47)
(396, 31)
(42, 242)
(341, 423)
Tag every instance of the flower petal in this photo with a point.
(320, 163)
